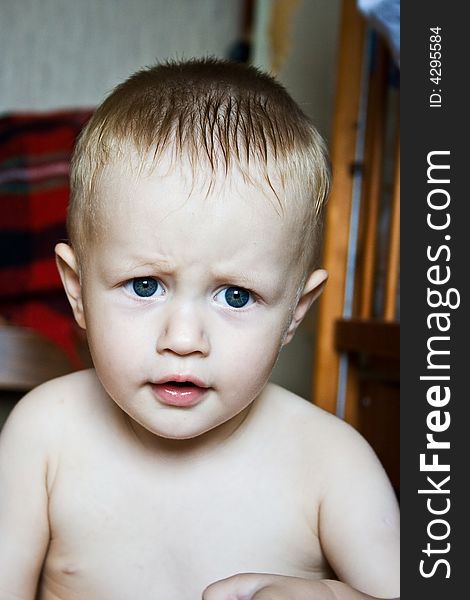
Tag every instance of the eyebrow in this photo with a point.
(165, 267)
(242, 279)
(137, 262)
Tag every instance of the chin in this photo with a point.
(177, 432)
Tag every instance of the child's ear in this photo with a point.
(68, 268)
(312, 289)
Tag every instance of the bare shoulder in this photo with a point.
(321, 427)
(61, 391)
(40, 414)
(330, 446)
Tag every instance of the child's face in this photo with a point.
(199, 289)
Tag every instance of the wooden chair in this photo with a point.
(356, 370)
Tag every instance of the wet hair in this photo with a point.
(220, 115)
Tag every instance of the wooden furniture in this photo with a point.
(27, 359)
(356, 371)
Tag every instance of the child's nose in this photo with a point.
(183, 332)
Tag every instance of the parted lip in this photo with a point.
(181, 378)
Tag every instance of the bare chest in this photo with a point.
(122, 534)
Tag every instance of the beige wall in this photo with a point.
(308, 68)
(62, 53)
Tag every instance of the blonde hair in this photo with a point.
(220, 115)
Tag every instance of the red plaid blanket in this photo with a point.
(35, 151)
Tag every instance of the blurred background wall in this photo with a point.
(71, 53)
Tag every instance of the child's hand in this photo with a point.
(259, 586)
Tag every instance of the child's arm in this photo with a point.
(24, 527)
(359, 518)
(359, 534)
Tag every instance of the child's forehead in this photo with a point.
(134, 196)
(166, 213)
(135, 193)
(253, 184)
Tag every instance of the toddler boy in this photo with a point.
(173, 470)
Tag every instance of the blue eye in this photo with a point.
(145, 287)
(234, 297)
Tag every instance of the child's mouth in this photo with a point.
(179, 393)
